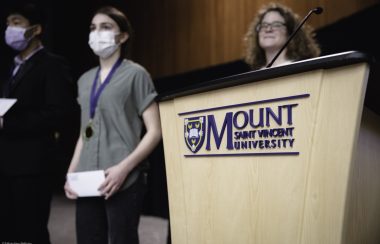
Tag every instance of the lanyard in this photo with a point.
(95, 94)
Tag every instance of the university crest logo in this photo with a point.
(194, 132)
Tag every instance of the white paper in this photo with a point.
(86, 184)
(5, 105)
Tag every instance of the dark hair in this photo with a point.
(125, 26)
(33, 13)
(302, 46)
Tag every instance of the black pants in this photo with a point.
(113, 221)
(25, 208)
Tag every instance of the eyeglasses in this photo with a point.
(274, 26)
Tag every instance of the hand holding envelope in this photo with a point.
(87, 183)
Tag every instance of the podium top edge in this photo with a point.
(323, 62)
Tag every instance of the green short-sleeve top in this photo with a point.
(117, 124)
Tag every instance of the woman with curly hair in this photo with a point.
(269, 31)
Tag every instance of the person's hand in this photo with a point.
(69, 192)
(115, 177)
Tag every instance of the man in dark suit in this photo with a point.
(42, 85)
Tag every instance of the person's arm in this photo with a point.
(116, 175)
(73, 164)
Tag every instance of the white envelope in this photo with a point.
(5, 105)
(86, 184)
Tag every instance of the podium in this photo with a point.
(282, 155)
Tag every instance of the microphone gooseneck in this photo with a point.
(317, 10)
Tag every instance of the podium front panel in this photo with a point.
(264, 162)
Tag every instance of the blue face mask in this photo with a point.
(15, 38)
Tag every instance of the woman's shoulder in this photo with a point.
(132, 66)
(88, 74)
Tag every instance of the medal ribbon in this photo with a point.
(95, 94)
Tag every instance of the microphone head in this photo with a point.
(318, 10)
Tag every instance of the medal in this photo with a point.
(88, 131)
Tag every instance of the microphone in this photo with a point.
(317, 10)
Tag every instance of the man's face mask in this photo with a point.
(15, 37)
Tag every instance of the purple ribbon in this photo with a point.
(95, 94)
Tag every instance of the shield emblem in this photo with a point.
(194, 132)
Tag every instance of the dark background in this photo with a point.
(67, 34)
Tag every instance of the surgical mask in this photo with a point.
(103, 43)
(15, 38)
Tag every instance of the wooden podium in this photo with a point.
(282, 155)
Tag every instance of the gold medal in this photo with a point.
(88, 131)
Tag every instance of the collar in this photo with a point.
(19, 61)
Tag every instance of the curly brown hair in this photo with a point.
(302, 46)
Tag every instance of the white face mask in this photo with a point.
(103, 43)
(15, 38)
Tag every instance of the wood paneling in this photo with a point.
(175, 36)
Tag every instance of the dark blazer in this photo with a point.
(46, 101)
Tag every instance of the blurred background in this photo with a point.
(187, 42)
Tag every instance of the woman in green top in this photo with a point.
(117, 100)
